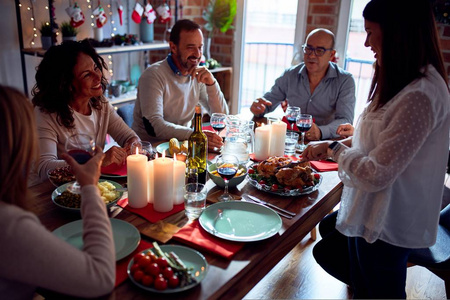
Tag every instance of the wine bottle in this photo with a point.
(197, 148)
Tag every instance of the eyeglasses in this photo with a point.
(319, 51)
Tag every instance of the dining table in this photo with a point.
(227, 278)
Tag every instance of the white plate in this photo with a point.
(126, 236)
(190, 257)
(240, 221)
(58, 191)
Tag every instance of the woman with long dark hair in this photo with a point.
(68, 98)
(393, 168)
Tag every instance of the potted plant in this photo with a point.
(46, 35)
(219, 15)
(68, 32)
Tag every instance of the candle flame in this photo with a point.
(156, 155)
(174, 156)
(137, 150)
(164, 154)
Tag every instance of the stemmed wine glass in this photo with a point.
(292, 113)
(304, 123)
(81, 147)
(227, 167)
(218, 122)
(143, 147)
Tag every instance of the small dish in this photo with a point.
(190, 257)
(219, 180)
(60, 176)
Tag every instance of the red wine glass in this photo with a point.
(218, 122)
(81, 147)
(227, 167)
(304, 123)
(291, 114)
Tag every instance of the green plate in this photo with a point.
(58, 191)
(126, 236)
(240, 221)
(191, 258)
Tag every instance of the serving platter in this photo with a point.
(126, 236)
(240, 221)
(293, 192)
(59, 190)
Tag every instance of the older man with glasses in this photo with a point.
(318, 86)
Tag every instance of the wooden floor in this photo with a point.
(298, 276)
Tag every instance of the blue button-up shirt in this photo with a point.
(331, 104)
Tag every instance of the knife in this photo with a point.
(247, 199)
(253, 198)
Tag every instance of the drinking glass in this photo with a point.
(304, 123)
(144, 148)
(292, 113)
(218, 122)
(227, 167)
(81, 147)
(194, 200)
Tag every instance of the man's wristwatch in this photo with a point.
(334, 146)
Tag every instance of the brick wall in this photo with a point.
(321, 13)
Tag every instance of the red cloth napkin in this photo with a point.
(149, 212)
(289, 125)
(114, 169)
(324, 165)
(195, 236)
(122, 265)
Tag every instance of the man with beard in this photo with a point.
(318, 86)
(169, 90)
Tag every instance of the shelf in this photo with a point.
(156, 45)
(127, 97)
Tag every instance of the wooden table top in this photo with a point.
(226, 279)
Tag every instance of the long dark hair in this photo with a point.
(53, 90)
(409, 43)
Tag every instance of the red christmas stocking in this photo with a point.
(76, 15)
(150, 13)
(120, 10)
(137, 13)
(100, 16)
(164, 13)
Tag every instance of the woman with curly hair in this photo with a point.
(30, 255)
(68, 99)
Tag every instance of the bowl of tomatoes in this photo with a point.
(167, 268)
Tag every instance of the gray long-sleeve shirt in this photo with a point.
(331, 104)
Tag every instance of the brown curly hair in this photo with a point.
(53, 90)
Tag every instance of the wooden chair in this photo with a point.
(437, 257)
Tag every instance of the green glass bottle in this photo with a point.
(198, 148)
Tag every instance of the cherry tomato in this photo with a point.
(144, 261)
(134, 268)
(152, 256)
(138, 275)
(147, 280)
(251, 171)
(160, 283)
(162, 262)
(316, 176)
(262, 182)
(174, 281)
(152, 269)
(274, 187)
(138, 256)
(167, 272)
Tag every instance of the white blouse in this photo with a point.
(394, 172)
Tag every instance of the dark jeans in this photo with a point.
(376, 270)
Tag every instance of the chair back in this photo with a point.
(126, 113)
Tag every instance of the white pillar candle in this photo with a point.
(137, 179)
(262, 142)
(179, 175)
(277, 137)
(163, 184)
(151, 186)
